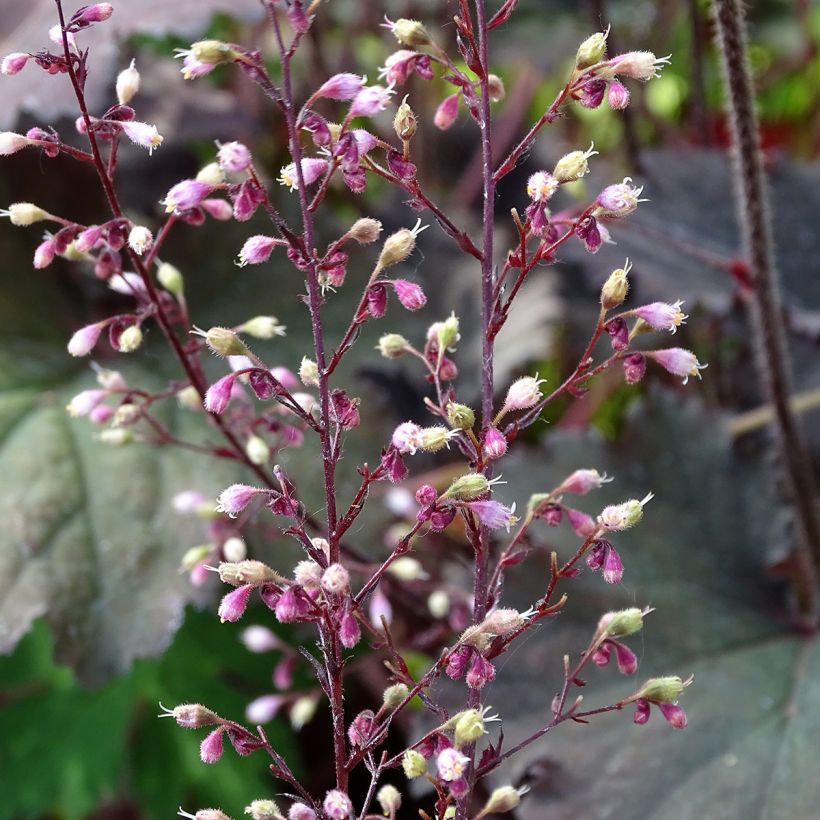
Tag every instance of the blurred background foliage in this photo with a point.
(89, 661)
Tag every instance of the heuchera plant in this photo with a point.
(336, 593)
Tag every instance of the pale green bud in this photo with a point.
(264, 810)
(212, 52)
(130, 339)
(468, 487)
(126, 415)
(433, 439)
(302, 711)
(503, 799)
(309, 372)
(225, 342)
(592, 50)
(189, 398)
(128, 83)
(239, 573)
(392, 345)
(622, 623)
(394, 695)
(573, 166)
(194, 556)
(405, 123)
(448, 332)
(212, 174)
(257, 450)
(171, 279)
(439, 604)
(23, 214)
(398, 246)
(662, 690)
(617, 517)
(389, 799)
(495, 85)
(407, 568)
(536, 499)
(116, 437)
(411, 32)
(469, 727)
(414, 764)
(460, 416)
(615, 288)
(263, 327)
(365, 230)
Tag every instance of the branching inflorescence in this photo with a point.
(258, 409)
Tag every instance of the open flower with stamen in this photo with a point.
(541, 186)
(186, 195)
(678, 361)
(451, 764)
(343, 86)
(312, 169)
(493, 514)
(662, 315)
(370, 100)
(619, 200)
(637, 65)
(142, 134)
(192, 68)
(257, 249)
(232, 500)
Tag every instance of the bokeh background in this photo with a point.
(97, 624)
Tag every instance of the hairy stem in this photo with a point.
(764, 302)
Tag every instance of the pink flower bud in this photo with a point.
(641, 715)
(260, 639)
(392, 462)
(233, 605)
(142, 134)
(370, 100)
(674, 714)
(217, 209)
(619, 200)
(298, 17)
(591, 94)
(596, 555)
(582, 481)
(407, 437)
(218, 395)
(335, 579)
(96, 13)
(493, 514)
(426, 495)
(337, 805)
(481, 671)
(85, 401)
(88, 238)
(84, 339)
(678, 362)
(613, 569)
(186, 195)
(235, 498)
(190, 715)
(410, 294)
(360, 728)
(377, 300)
(523, 394)
(299, 811)
(457, 662)
(343, 86)
(14, 63)
(257, 249)
(291, 606)
(618, 333)
(638, 65)
(264, 709)
(447, 112)
(662, 316)
(617, 95)
(44, 255)
(583, 524)
(398, 66)
(210, 750)
(626, 658)
(283, 671)
(365, 141)
(634, 368)
(495, 443)
(350, 632)
(11, 143)
(101, 414)
(233, 157)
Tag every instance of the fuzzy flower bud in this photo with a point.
(582, 481)
(541, 186)
(414, 764)
(186, 195)
(494, 444)
(407, 437)
(617, 517)
(447, 332)
(337, 805)
(618, 95)
(365, 230)
(678, 362)
(235, 498)
(335, 579)
(469, 727)
(257, 450)
(622, 623)
(191, 715)
(460, 416)
(392, 345)
(433, 439)
(142, 134)
(312, 169)
(447, 112)
(130, 339)
(662, 690)
(264, 810)
(637, 65)
(224, 342)
(619, 200)
(23, 214)
(592, 50)
(398, 246)
(343, 86)
(615, 288)
(573, 166)
(523, 394)
(503, 799)
(84, 339)
(128, 84)
(309, 372)
(300, 811)
(389, 799)
(394, 695)
(370, 100)
(14, 63)
(262, 327)
(405, 123)
(410, 32)
(11, 143)
(467, 487)
(409, 294)
(211, 174)
(233, 157)
(171, 279)
(140, 239)
(662, 316)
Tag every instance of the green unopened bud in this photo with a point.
(468, 487)
(263, 327)
(407, 568)
(73, 255)
(116, 437)
(394, 695)
(302, 711)
(247, 572)
(264, 810)
(460, 416)
(495, 86)
(171, 279)
(126, 415)
(257, 450)
(433, 439)
(536, 500)
(389, 799)
(573, 166)
(503, 799)
(592, 50)
(399, 245)
(189, 398)
(194, 556)
(212, 174)
(392, 345)
(411, 32)
(309, 372)
(130, 339)
(448, 332)
(469, 727)
(439, 604)
(617, 517)
(365, 230)
(414, 764)
(662, 690)
(615, 288)
(224, 342)
(212, 52)
(405, 123)
(622, 623)
(23, 214)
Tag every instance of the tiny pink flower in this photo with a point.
(493, 514)
(678, 362)
(101, 414)
(285, 377)
(44, 254)
(523, 394)
(618, 517)
(233, 157)
(142, 134)
(627, 660)
(86, 240)
(85, 401)
(218, 395)
(583, 524)
(256, 250)
(613, 568)
(662, 316)
(217, 209)
(349, 631)
(365, 141)
(235, 498)
(674, 714)
(481, 672)
(541, 186)
(451, 764)
(186, 195)
(426, 495)
(337, 805)
(299, 811)
(233, 605)
(188, 501)
(398, 66)
(312, 169)
(335, 579)
(14, 63)
(360, 728)
(634, 368)
(447, 112)
(617, 95)
(344, 86)
(638, 65)
(96, 13)
(191, 67)
(283, 672)
(370, 100)
(407, 437)
(210, 750)
(291, 606)
(260, 639)
(264, 709)
(582, 481)
(410, 294)
(619, 200)
(84, 339)
(495, 443)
